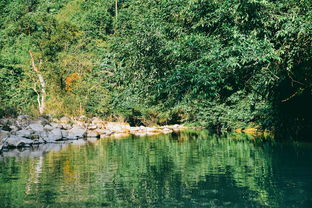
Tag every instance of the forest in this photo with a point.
(219, 64)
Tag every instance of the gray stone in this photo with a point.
(66, 126)
(25, 133)
(37, 127)
(65, 119)
(92, 127)
(76, 132)
(54, 135)
(56, 125)
(106, 132)
(64, 133)
(3, 134)
(23, 121)
(17, 141)
(41, 120)
(48, 127)
(93, 134)
(13, 128)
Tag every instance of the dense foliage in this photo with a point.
(222, 64)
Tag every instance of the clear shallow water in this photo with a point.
(191, 169)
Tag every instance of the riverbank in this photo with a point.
(25, 130)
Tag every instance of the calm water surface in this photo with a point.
(190, 169)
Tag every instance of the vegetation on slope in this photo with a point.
(222, 64)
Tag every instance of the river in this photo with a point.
(189, 169)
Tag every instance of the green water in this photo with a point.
(191, 169)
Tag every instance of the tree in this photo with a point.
(41, 94)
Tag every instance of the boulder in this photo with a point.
(64, 133)
(4, 134)
(7, 121)
(92, 127)
(56, 125)
(54, 135)
(118, 127)
(23, 121)
(27, 133)
(13, 128)
(105, 132)
(92, 134)
(66, 126)
(37, 127)
(65, 120)
(76, 132)
(48, 127)
(17, 141)
(41, 134)
(167, 130)
(40, 120)
(98, 122)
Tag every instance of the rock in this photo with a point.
(92, 127)
(56, 125)
(76, 132)
(37, 127)
(92, 134)
(23, 121)
(4, 134)
(166, 130)
(48, 127)
(27, 133)
(3, 137)
(54, 135)
(13, 128)
(98, 122)
(105, 132)
(83, 118)
(7, 121)
(81, 124)
(118, 127)
(65, 120)
(64, 133)
(66, 126)
(17, 141)
(42, 134)
(40, 120)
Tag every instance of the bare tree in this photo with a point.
(40, 94)
(116, 9)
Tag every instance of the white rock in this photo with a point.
(13, 128)
(48, 127)
(37, 127)
(27, 133)
(17, 141)
(92, 134)
(65, 119)
(54, 135)
(64, 133)
(76, 132)
(92, 127)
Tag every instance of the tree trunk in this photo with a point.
(116, 9)
(40, 95)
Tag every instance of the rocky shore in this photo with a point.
(26, 131)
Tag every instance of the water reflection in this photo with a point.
(190, 169)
